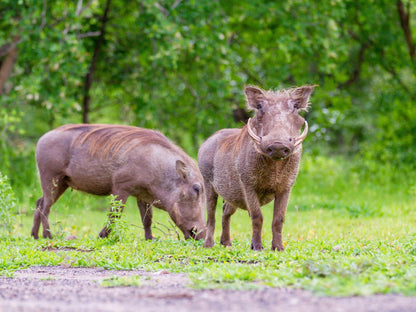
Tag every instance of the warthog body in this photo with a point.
(250, 167)
(124, 161)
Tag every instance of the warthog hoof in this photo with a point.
(226, 243)
(47, 234)
(208, 243)
(104, 233)
(277, 248)
(256, 246)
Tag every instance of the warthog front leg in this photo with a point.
(146, 213)
(228, 211)
(254, 210)
(280, 205)
(257, 222)
(211, 203)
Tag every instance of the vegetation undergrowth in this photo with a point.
(349, 230)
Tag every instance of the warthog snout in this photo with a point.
(195, 233)
(279, 150)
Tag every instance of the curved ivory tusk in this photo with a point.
(302, 137)
(254, 136)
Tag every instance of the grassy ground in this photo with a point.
(349, 230)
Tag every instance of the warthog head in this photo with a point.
(276, 127)
(188, 202)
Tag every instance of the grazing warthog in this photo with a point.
(124, 161)
(250, 167)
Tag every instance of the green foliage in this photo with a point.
(162, 62)
(117, 226)
(8, 206)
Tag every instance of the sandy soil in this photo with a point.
(79, 289)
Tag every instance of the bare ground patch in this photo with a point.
(81, 289)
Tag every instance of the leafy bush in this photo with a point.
(7, 205)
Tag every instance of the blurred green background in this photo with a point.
(180, 66)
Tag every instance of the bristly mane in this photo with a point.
(285, 94)
(234, 142)
(104, 140)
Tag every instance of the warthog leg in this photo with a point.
(280, 204)
(254, 210)
(257, 222)
(228, 211)
(146, 213)
(51, 192)
(211, 204)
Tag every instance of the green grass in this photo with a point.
(124, 281)
(349, 230)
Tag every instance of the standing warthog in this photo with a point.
(250, 167)
(124, 161)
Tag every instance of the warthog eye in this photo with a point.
(197, 188)
(260, 104)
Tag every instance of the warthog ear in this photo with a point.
(182, 170)
(300, 97)
(255, 97)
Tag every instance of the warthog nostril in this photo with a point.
(278, 151)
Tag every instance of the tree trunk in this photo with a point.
(404, 15)
(90, 75)
(8, 63)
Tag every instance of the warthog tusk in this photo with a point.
(254, 136)
(302, 137)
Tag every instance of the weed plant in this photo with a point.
(8, 207)
(349, 230)
(117, 226)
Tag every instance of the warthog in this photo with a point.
(124, 161)
(250, 167)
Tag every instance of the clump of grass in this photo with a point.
(121, 281)
(118, 227)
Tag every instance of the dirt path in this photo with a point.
(79, 289)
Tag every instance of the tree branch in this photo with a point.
(385, 66)
(396, 77)
(8, 63)
(43, 15)
(175, 4)
(404, 15)
(251, 76)
(357, 70)
(189, 87)
(81, 8)
(90, 75)
(5, 48)
(163, 10)
(89, 34)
